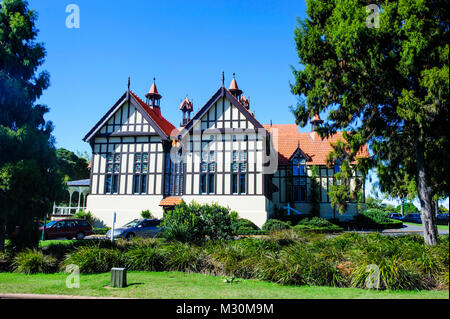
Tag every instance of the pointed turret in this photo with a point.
(234, 89)
(245, 102)
(186, 107)
(315, 122)
(153, 98)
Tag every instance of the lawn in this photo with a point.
(168, 285)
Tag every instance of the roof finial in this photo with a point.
(154, 79)
(128, 83)
(223, 78)
(234, 74)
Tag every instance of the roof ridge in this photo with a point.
(155, 116)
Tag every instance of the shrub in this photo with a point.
(376, 218)
(85, 215)
(183, 257)
(194, 222)
(248, 231)
(146, 214)
(33, 261)
(274, 225)
(183, 223)
(145, 258)
(242, 226)
(94, 259)
(317, 223)
(100, 230)
(216, 221)
(394, 274)
(242, 222)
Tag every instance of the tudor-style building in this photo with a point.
(223, 154)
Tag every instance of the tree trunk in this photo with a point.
(2, 238)
(402, 206)
(425, 196)
(436, 208)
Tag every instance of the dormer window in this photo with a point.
(337, 166)
(298, 167)
(299, 179)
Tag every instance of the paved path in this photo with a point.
(407, 229)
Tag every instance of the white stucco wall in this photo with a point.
(127, 207)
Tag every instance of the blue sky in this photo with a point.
(184, 44)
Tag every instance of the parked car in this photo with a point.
(397, 216)
(68, 228)
(413, 218)
(442, 218)
(137, 227)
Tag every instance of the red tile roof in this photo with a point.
(170, 201)
(310, 143)
(162, 123)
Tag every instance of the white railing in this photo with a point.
(66, 211)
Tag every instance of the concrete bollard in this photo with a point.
(118, 277)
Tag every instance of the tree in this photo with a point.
(408, 208)
(373, 202)
(71, 165)
(386, 86)
(397, 184)
(29, 180)
(314, 192)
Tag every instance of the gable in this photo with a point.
(131, 116)
(223, 111)
(223, 114)
(127, 118)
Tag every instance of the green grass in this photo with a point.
(442, 227)
(168, 285)
(47, 243)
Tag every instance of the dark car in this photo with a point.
(137, 227)
(397, 216)
(413, 218)
(68, 228)
(442, 218)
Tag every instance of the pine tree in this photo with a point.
(386, 86)
(29, 181)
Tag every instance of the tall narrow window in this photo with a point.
(112, 173)
(211, 184)
(208, 172)
(234, 183)
(203, 184)
(239, 172)
(173, 184)
(337, 166)
(299, 179)
(141, 161)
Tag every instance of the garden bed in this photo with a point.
(289, 257)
